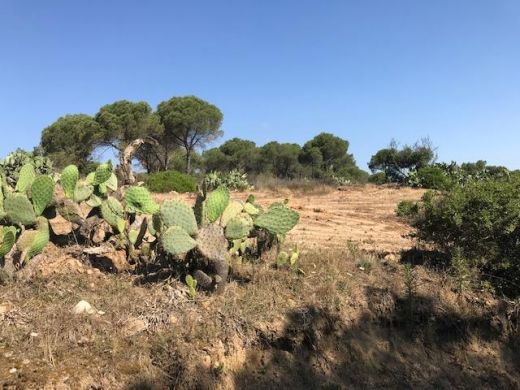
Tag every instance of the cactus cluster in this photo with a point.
(205, 237)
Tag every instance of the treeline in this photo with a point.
(173, 135)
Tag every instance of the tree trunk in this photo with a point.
(188, 161)
(125, 173)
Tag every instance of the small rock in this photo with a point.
(26, 362)
(133, 326)
(13, 371)
(8, 354)
(83, 307)
(391, 257)
(34, 334)
(5, 308)
(101, 312)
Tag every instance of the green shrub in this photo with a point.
(434, 178)
(232, 180)
(170, 181)
(378, 178)
(482, 219)
(406, 209)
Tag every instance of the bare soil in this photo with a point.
(354, 321)
(332, 217)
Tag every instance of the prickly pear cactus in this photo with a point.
(139, 200)
(113, 213)
(42, 192)
(7, 239)
(176, 241)
(19, 209)
(278, 219)
(82, 192)
(26, 178)
(70, 211)
(103, 173)
(69, 178)
(239, 227)
(200, 210)
(251, 209)
(216, 203)
(110, 184)
(32, 242)
(234, 208)
(177, 213)
(212, 243)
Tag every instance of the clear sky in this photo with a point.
(366, 70)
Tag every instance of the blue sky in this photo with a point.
(368, 71)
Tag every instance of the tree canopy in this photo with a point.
(190, 122)
(71, 140)
(398, 163)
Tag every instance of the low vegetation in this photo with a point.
(167, 181)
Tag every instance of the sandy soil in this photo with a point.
(332, 218)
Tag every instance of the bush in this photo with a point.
(167, 181)
(480, 220)
(434, 178)
(233, 180)
(377, 178)
(406, 209)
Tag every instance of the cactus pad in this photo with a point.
(32, 242)
(70, 211)
(239, 227)
(216, 203)
(7, 239)
(251, 209)
(26, 178)
(110, 184)
(139, 200)
(82, 192)
(177, 213)
(175, 241)
(212, 243)
(42, 191)
(113, 213)
(103, 173)
(69, 178)
(19, 209)
(278, 219)
(234, 208)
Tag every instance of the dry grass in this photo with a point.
(343, 324)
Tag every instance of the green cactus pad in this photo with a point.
(251, 209)
(212, 243)
(19, 209)
(278, 219)
(176, 240)
(69, 178)
(42, 191)
(239, 227)
(32, 242)
(82, 192)
(26, 178)
(7, 239)
(70, 211)
(234, 208)
(177, 213)
(139, 200)
(103, 173)
(216, 203)
(113, 213)
(156, 226)
(200, 210)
